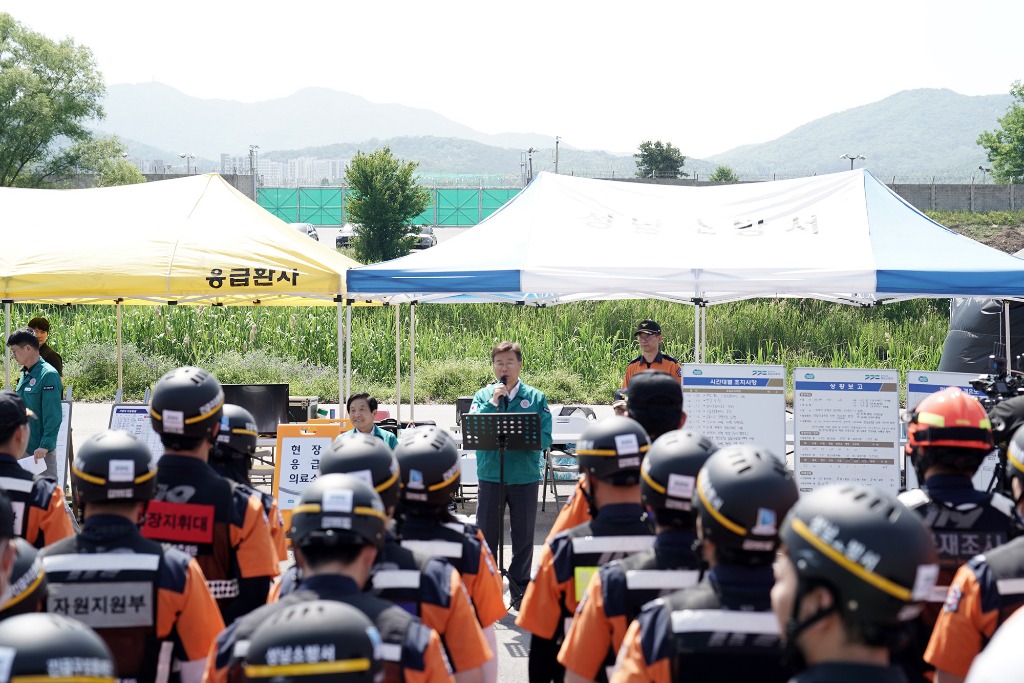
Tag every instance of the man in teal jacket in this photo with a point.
(522, 468)
(40, 389)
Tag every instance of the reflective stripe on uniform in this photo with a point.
(395, 578)
(937, 594)
(611, 544)
(724, 621)
(390, 652)
(661, 579)
(1010, 586)
(12, 484)
(223, 588)
(435, 548)
(100, 561)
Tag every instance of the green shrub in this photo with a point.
(92, 372)
(445, 380)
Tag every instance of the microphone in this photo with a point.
(504, 399)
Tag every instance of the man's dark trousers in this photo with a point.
(522, 512)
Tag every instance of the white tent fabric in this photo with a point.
(842, 236)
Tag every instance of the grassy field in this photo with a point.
(574, 352)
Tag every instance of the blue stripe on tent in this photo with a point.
(952, 282)
(359, 282)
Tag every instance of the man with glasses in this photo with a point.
(648, 335)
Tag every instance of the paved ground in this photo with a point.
(513, 643)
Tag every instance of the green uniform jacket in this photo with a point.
(41, 391)
(521, 467)
(387, 437)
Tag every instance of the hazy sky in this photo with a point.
(707, 76)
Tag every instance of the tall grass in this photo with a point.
(575, 352)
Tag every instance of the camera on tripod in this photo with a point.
(999, 384)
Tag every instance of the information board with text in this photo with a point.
(732, 404)
(134, 419)
(846, 427)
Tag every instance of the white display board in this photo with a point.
(732, 404)
(846, 427)
(921, 383)
(29, 462)
(300, 448)
(134, 419)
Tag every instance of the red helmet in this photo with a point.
(950, 418)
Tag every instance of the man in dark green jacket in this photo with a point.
(40, 389)
(522, 468)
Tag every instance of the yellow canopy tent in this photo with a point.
(193, 240)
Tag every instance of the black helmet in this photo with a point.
(27, 586)
(1015, 456)
(338, 509)
(238, 430)
(6, 516)
(113, 466)
(187, 402)
(55, 648)
(878, 556)
(428, 461)
(655, 400)
(743, 493)
(669, 473)
(611, 450)
(316, 641)
(367, 457)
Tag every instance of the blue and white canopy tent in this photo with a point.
(841, 237)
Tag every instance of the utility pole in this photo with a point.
(253, 155)
(556, 154)
(529, 156)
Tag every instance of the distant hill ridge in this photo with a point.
(913, 135)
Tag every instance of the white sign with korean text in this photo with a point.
(300, 466)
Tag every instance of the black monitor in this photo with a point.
(268, 403)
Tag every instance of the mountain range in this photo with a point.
(914, 135)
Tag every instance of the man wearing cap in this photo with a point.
(40, 513)
(40, 388)
(41, 326)
(648, 335)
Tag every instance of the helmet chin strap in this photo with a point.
(588, 493)
(792, 654)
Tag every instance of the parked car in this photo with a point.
(307, 229)
(426, 238)
(344, 236)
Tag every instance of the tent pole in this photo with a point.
(412, 362)
(341, 354)
(696, 333)
(7, 335)
(703, 332)
(120, 359)
(348, 359)
(398, 364)
(1009, 353)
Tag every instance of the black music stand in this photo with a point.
(501, 432)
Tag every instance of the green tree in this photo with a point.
(106, 158)
(385, 198)
(659, 160)
(723, 174)
(48, 91)
(1005, 147)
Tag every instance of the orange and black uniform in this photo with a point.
(984, 593)
(410, 651)
(576, 511)
(565, 567)
(219, 523)
(431, 588)
(464, 547)
(965, 522)
(39, 506)
(616, 595)
(722, 629)
(277, 531)
(663, 362)
(150, 605)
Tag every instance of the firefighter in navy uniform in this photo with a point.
(215, 520)
(337, 530)
(984, 592)
(428, 463)
(723, 628)
(621, 588)
(41, 513)
(8, 551)
(315, 642)
(26, 592)
(150, 604)
(427, 587)
(231, 457)
(854, 567)
(609, 453)
(52, 648)
(948, 436)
